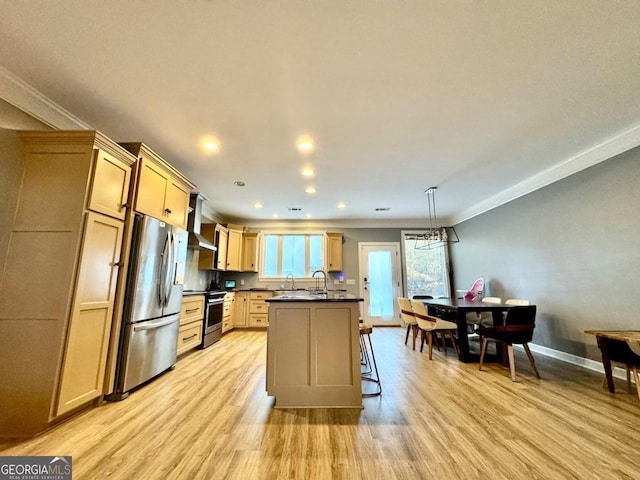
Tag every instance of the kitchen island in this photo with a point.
(313, 351)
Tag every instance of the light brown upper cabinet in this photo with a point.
(162, 191)
(60, 276)
(334, 252)
(217, 234)
(234, 249)
(250, 252)
(109, 195)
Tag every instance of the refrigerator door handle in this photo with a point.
(162, 276)
(154, 325)
(170, 269)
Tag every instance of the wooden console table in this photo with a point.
(619, 346)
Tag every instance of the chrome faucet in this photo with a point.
(324, 276)
(293, 282)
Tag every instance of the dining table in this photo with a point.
(456, 309)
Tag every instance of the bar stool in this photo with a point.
(369, 360)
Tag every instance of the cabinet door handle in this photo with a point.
(185, 339)
(124, 205)
(167, 211)
(117, 264)
(191, 310)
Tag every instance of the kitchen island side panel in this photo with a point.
(313, 355)
(333, 335)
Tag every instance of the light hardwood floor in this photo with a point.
(211, 418)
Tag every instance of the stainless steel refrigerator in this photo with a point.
(149, 333)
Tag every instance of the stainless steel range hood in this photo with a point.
(196, 240)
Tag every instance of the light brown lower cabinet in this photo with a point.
(227, 311)
(258, 309)
(191, 320)
(250, 309)
(239, 314)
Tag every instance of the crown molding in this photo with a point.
(615, 145)
(26, 98)
(338, 223)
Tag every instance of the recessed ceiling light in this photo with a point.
(305, 144)
(211, 145)
(308, 172)
(239, 183)
(310, 189)
(275, 215)
(342, 205)
(308, 215)
(257, 205)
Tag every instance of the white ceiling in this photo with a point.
(475, 97)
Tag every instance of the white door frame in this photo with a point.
(394, 247)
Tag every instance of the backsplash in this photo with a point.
(195, 279)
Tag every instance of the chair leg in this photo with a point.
(483, 349)
(364, 357)
(430, 337)
(415, 334)
(636, 378)
(531, 360)
(455, 344)
(369, 376)
(512, 363)
(443, 340)
(406, 337)
(421, 340)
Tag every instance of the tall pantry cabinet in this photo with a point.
(59, 283)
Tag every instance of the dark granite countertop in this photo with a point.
(321, 297)
(186, 293)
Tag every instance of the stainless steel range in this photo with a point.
(212, 329)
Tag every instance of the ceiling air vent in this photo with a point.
(382, 209)
(295, 209)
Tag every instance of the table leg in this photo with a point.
(603, 345)
(463, 339)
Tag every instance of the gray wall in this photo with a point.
(571, 248)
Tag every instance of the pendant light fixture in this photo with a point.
(435, 235)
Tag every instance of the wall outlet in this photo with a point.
(201, 281)
(242, 281)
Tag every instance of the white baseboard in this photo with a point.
(576, 360)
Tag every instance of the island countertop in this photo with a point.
(316, 297)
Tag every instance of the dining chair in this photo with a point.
(435, 312)
(409, 319)
(517, 329)
(517, 301)
(430, 325)
(482, 318)
(634, 346)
